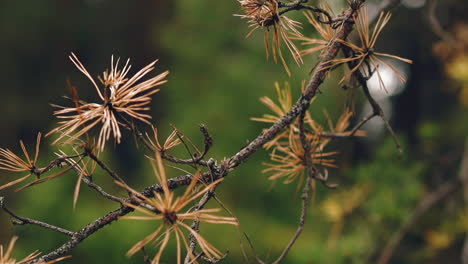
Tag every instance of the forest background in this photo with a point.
(217, 77)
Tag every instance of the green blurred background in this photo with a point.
(217, 76)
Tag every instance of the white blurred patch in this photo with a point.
(393, 85)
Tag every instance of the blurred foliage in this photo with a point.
(453, 51)
(217, 77)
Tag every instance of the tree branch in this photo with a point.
(423, 206)
(196, 223)
(303, 102)
(306, 192)
(87, 180)
(376, 109)
(434, 22)
(104, 167)
(301, 105)
(18, 220)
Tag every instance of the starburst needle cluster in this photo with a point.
(285, 103)
(120, 97)
(326, 32)
(364, 57)
(9, 161)
(6, 255)
(288, 160)
(168, 209)
(7, 258)
(301, 145)
(265, 14)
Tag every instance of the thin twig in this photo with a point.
(101, 191)
(214, 172)
(302, 103)
(196, 223)
(210, 261)
(362, 122)
(56, 163)
(306, 192)
(257, 258)
(299, 6)
(103, 221)
(348, 134)
(435, 24)
(238, 229)
(104, 167)
(24, 221)
(423, 206)
(87, 180)
(194, 160)
(376, 108)
(146, 258)
(295, 3)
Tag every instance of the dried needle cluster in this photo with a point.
(168, 210)
(296, 145)
(121, 98)
(7, 258)
(326, 32)
(288, 154)
(364, 56)
(361, 56)
(265, 14)
(9, 161)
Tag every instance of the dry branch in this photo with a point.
(217, 172)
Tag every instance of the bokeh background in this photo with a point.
(217, 76)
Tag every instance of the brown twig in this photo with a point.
(215, 172)
(295, 3)
(87, 180)
(196, 223)
(257, 258)
(105, 220)
(362, 122)
(238, 229)
(302, 103)
(348, 134)
(56, 163)
(18, 220)
(376, 109)
(435, 24)
(298, 5)
(423, 206)
(306, 192)
(146, 258)
(104, 167)
(208, 142)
